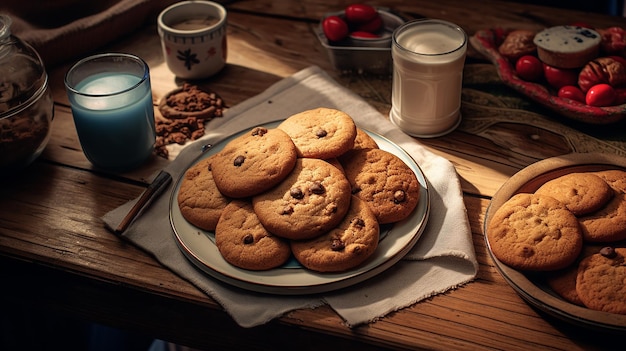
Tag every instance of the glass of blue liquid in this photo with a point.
(111, 101)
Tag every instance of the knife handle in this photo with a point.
(154, 189)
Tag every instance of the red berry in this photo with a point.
(621, 96)
(334, 28)
(360, 13)
(572, 92)
(560, 77)
(601, 95)
(582, 24)
(372, 25)
(363, 35)
(529, 68)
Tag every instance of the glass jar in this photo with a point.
(26, 105)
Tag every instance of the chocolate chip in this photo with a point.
(248, 239)
(317, 188)
(399, 196)
(296, 193)
(320, 133)
(287, 210)
(239, 160)
(358, 222)
(527, 251)
(260, 131)
(608, 252)
(337, 245)
(356, 190)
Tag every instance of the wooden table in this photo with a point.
(56, 255)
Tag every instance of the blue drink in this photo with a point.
(113, 113)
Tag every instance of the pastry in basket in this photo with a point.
(567, 46)
(518, 43)
(607, 70)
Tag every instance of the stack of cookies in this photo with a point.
(316, 188)
(573, 228)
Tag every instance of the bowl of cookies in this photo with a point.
(557, 234)
(576, 71)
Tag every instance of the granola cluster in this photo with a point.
(183, 113)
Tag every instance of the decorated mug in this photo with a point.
(193, 38)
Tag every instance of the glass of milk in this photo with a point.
(428, 58)
(111, 100)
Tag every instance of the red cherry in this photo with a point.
(560, 77)
(360, 13)
(582, 24)
(372, 26)
(601, 95)
(529, 68)
(334, 28)
(621, 96)
(572, 92)
(363, 35)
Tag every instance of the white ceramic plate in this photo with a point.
(291, 279)
(531, 287)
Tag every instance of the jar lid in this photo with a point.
(22, 73)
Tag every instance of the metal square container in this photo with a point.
(362, 55)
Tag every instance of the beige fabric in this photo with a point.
(61, 30)
(443, 258)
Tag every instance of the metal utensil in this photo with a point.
(162, 180)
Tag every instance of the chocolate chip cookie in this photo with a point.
(320, 133)
(344, 247)
(382, 180)
(601, 280)
(245, 243)
(313, 199)
(534, 232)
(364, 140)
(607, 224)
(581, 192)
(254, 162)
(199, 200)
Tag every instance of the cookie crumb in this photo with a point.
(184, 111)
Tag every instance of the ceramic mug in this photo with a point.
(193, 38)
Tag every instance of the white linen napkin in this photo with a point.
(442, 259)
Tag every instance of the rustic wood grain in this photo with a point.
(56, 254)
